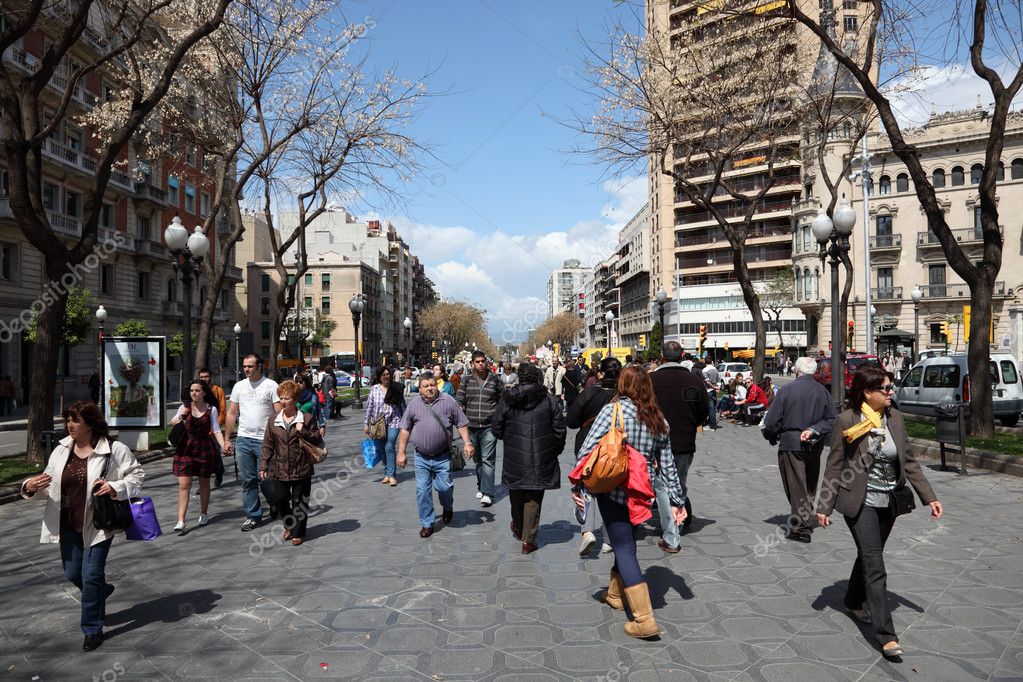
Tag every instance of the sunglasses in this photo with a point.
(886, 388)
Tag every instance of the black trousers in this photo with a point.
(525, 512)
(799, 474)
(291, 504)
(868, 582)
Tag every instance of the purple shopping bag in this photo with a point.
(143, 525)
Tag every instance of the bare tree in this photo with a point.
(561, 329)
(695, 109)
(989, 36)
(453, 321)
(139, 47)
(776, 298)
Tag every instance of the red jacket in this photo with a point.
(638, 490)
(756, 395)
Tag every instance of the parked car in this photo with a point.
(342, 378)
(853, 361)
(947, 376)
(728, 370)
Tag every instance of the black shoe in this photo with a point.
(218, 480)
(92, 642)
(447, 516)
(798, 536)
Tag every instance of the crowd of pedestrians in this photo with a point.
(658, 409)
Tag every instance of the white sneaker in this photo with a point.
(203, 520)
(589, 539)
(485, 500)
(479, 495)
(606, 548)
(179, 527)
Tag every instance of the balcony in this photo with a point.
(958, 291)
(69, 156)
(66, 225)
(171, 308)
(121, 179)
(886, 294)
(151, 249)
(968, 235)
(146, 192)
(233, 272)
(21, 60)
(883, 242)
(120, 241)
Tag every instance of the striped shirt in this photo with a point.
(655, 448)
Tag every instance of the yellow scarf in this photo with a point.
(871, 420)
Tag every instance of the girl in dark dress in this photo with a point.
(196, 454)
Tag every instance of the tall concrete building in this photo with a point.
(563, 283)
(633, 278)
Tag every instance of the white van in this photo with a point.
(947, 376)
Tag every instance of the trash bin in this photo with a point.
(951, 428)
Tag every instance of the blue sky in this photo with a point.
(504, 203)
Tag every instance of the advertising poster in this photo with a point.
(134, 381)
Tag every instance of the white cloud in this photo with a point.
(940, 89)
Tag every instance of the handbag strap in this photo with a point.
(436, 416)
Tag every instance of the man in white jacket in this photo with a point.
(553, 379)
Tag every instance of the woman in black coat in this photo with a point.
(530, 422)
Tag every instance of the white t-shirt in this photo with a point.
(740, 392)
(255, 405)
(184, 411)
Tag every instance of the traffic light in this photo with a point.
(850, 333)
(642, 340)
(947, 333)
(703, 337)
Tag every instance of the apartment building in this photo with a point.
(134, 279)
(562, 284)
(423, 296)
(633, 279)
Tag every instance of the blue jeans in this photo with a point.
(712, 414)
(387, 451)
(485, 444)
(248, 452)
(327, 411)
(619, 530)
(86, 568)
(433, 472)
(669, 531)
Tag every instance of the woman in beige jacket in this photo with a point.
(70, 480)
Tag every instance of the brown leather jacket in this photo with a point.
(844, 486)
(284, 458)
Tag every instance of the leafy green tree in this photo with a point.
(132, 328)
(78, 318)
(176, 345)
(220, 347)
(653, 347)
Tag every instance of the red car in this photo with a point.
(853, 361)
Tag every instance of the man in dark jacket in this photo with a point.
(683, 400)
(530, 422)
(800, 417)
(572, 384)
(478, 395)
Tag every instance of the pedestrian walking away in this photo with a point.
(572, 383)
(531, 423)
(384, 407)
(196, 454)
(328, 384)
(254, 400)
(427, 425)
(681, 397)
(580, 415)
(868, 467)
(285, 467)
(71, 479)
(799, 421)
(218, 401)
(647, 432)
(478, 395)
(711, 379)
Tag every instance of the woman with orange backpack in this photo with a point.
(636, 414)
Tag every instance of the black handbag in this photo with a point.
(178, 433)
(457, 459)
(902, 500)
(108, 513)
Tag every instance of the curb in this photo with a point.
(11, 492)
(976, 459)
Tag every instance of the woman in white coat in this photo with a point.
(71, 479)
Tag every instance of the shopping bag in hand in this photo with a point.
(370, 453)
(144, 524)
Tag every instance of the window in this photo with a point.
(190, 198)
(885, 185)
(976, 171)
(816, 283)
(73, 204)
(1000, 173)
(850, 24)
(1017, 169)
(1009, 375)
(172, 289)
(142, 227)
(8, 258)
(913, 378)
(264, 330)
(5, 184)
(291, 280)
(51, 196)
(73, 139)
(958, 176)
(264, 282)
(264, 305)
(849, 4)
(307, 302)
(308, 279)
(884, 230)
(325, 281)
(936, 335)
(941, 376)
(172, 191)
(325, 305)
(806, 238)
(106, 216)
(885, 283)
(938, 176)
(870, 187)
(204, 204)
(977, 224)
(106, 279)
(190, 154)
(902, 183)
(799, 285)
(142, 289)
(936, 280)
(807, 281)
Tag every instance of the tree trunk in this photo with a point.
(49, 325)
(752, 299)
(982, 414)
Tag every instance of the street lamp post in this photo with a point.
(409, 362)
(916, 296)
(187, 252)
(357, 305)
(608, 317)
(662, 298)
(237, 333)
(833, 238)
(101, 317)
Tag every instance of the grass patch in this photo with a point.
(1002, 443)
(158, 438)
(16, 467)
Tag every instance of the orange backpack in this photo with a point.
(607, 465)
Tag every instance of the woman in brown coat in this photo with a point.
(285, 464)
(865, 479)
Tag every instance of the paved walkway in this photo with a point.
(366, 598)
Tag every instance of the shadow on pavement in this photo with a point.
(471, 517)
(833, 596)
(314, 531)
(168, 609)
(661, 580)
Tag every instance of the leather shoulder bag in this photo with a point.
(457, 459)
(108, 513)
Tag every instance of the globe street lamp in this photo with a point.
(101, 317)
(916, 295)
(608, 317)
(187, 252)
(357, 304)
(408, 326)
(237, 333)
(662, 298)
(833, 238)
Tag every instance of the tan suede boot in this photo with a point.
(643, 624)
(613, 595)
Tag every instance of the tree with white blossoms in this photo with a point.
(692, 110)
(139, 47)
